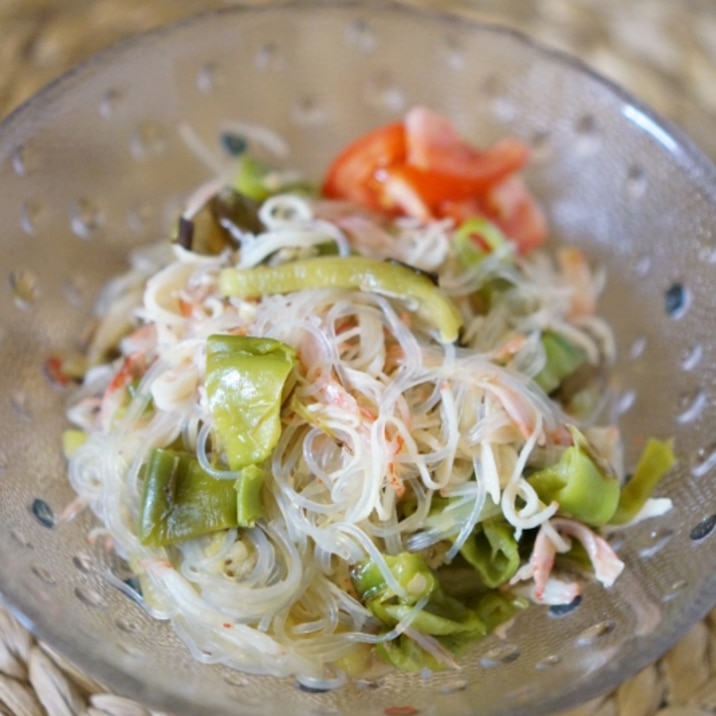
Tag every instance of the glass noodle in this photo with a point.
(380, 422)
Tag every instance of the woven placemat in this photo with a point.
(662, 50)
(36, 681)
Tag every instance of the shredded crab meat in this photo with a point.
(606, 563)
(555, 537)
(555, 592)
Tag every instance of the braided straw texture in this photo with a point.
(36, 681)
(662, 50)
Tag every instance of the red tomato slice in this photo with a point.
(422, 167)
(353, 174)
(511, 207)
(434, 145)
(427, 135)
(460, 211)
(518, 214)
(434, 186)
(410, 191)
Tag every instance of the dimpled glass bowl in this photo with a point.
(95, 165)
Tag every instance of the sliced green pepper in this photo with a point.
(407, 655)
(655, 461)
(562, 359)
(351, 272)
(493, 552)
(258, 182)
(249, 506)
(496, 607)
(245, 377)
(454, 625)
(475, 239)
(410, 571)
(180, 500)
(441, 616)
(250, 180)
(583, 484)
(444, 617)
(232, 208)
(209, 230)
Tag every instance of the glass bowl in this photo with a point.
(95, 165)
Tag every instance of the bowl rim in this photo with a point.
(661, 129)
(664, 130)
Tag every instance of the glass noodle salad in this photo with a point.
(333, 428)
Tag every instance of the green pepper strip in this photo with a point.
(468, 249)
(496, 607)
(449, 621)
(410, 571)
(655, 461)
(249, 486)
(353, 272)
(445, 618)
(250, 180)
(245, 377)
(492, 552)
(442, 616)
(407, 655)
(562, 358)
(583, 484)
(180, 500)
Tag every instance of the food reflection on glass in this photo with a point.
(337, 428)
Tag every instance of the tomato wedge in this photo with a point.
(421, 167)
(427, 135)
(511, 207)
(355, 173)
(433, 145)
(434, 186)
(518, 214)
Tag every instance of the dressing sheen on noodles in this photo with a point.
(364, 430)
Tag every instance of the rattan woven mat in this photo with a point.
(662, 50)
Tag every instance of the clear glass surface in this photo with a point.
(95, 165)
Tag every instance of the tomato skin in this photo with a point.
(422, 168)
(488, 168)
(460, 211)
(434, 145)
(522, 218)
(434, 186)
(402, 191)
(355, 173)
(511, 207)
(428, 136)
